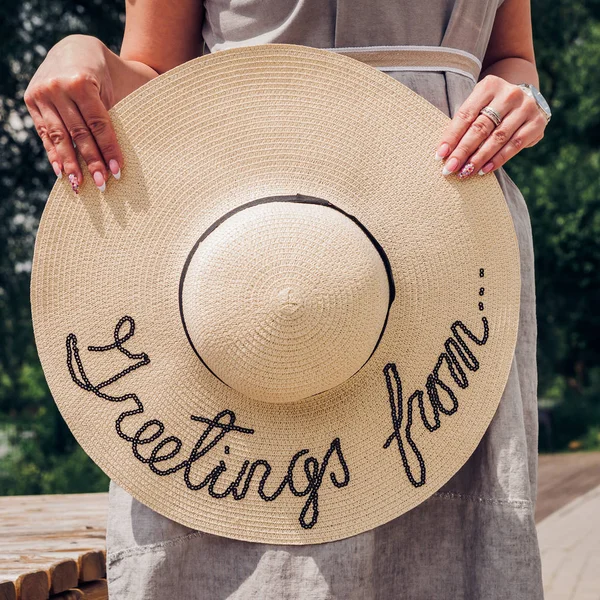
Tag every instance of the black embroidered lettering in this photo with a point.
(314, 475)
(154, 457)
(139, 440)
(455, 348)
(396, 405)
(232, 487)
(223, 424)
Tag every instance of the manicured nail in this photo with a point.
(99, 181)
(74, 183)
(442, 151)
(114, 168)
(450, 166)
(57, 170)
(486, 168)
(466, 170)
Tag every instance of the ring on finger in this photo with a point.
(488, 151)
(488, 111)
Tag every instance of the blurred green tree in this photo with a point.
(38, 453)
(559, 178)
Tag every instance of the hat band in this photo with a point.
(411, 58)
(274, 327)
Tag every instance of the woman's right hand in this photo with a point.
(68, 98)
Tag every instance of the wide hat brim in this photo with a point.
(199, 141)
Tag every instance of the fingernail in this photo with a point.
(486, 168)
(114, 168)
(450, 166)
(57, 170)
(442, 151)
(99, 181)
(466, 170)
(74, 183)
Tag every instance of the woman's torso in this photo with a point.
(462, 24)
(475, 538)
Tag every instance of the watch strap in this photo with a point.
(526, 87)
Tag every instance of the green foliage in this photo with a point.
(36, 467)
(576, 416)
(42, 454)
(559, 178)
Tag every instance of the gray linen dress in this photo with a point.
(475, 538)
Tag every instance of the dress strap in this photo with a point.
(416, 58)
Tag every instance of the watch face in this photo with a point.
(540, 100)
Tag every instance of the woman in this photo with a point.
(475, 538)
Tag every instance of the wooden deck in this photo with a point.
(564, 477)
(54, 546)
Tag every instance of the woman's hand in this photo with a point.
(472, 142)
(68, 98)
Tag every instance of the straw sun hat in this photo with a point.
(283, 324)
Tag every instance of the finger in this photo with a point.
(536, 141)
(99, 124)
(61, 139)
(40, 127)
(498, 138)
(507, 131)
(82, 136)
(476, 135)
(505, 102)
(523, 136)
(466, 114)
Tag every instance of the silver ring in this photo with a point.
(488, 111)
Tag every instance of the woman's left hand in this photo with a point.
(472, 143)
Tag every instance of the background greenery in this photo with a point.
(560, 179)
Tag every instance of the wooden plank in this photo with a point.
(564, 477)
(8, 591)
(92, 566)
(33, 586)
(63, 575)
(69, 595)
(50, 533)
(94, 590)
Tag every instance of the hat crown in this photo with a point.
(285, 299)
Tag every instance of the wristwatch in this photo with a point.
(532, 91)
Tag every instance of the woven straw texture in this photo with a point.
(199, 141)
(284, 300)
